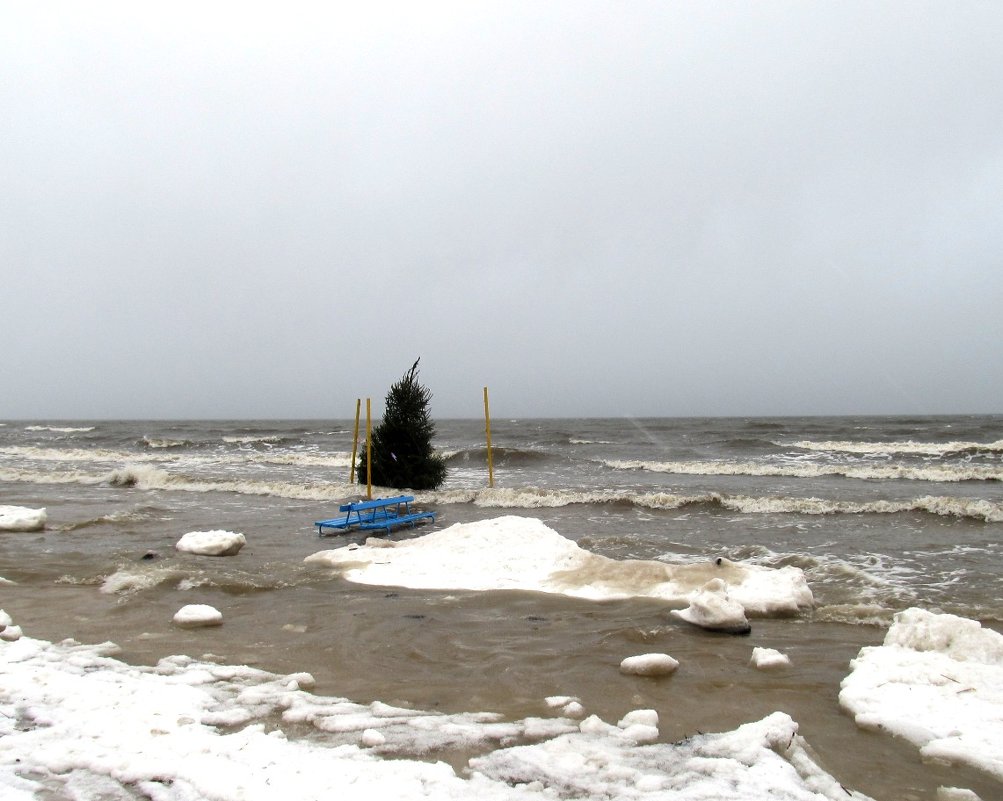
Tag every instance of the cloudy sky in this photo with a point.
(622, 208)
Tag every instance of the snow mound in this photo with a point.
(211, 543)
(518, 553)
(937, 681)
(20, 518)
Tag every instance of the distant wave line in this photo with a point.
(936, 473)
(144, 476)
(908, 447)
(101, 455)
(61, 429)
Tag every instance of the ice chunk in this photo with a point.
(211, 543)
(936, 681)
(769, 658)
(649, 665)
(711, 607)
(20, 518)
(198, 615)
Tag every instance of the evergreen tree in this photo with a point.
(402, 442)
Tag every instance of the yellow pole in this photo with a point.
(355, 442)
(487, 429)
(369, 452)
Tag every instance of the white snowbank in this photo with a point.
(938, 682)
(20, 518)
(769, 658)
(75, 722)
(519, 553)
(649, 665)
(198, 615)
(211, 543)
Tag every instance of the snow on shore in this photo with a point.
(77, 723)
(518, 553)
(937, 681)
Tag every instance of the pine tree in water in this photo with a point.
(402, 442)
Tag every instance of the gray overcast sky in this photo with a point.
(627, 208)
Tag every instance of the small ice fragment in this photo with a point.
(649, 665)
(372, 738)
(646, 717)
(956, 794)
(11, 633)
(211, 543)
(197, 615)
(768, 658)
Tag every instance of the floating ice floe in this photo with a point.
(198, 616)
(211, 543)
(769, 658)
(937, 681)
(20, 518)
(76, 722)
(649, 665)
(519, 553)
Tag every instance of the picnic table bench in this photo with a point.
(385, 513)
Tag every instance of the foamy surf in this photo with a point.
(891, 448)
(949, 473)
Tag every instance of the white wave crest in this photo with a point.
(60, 429)
(161, 442)
(127, 582)
(338, 459)
(907, 447)
(35, 453)
(935, 473)
(28, 476)
(150, 477)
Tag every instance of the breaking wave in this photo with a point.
(927, 472)
(32, 452)
(138, 515)
(541, 498)
(908, 447)
(163, 442)
(499, 456)
(151, 477)
(146, 476)
(61, 429)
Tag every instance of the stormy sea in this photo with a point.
(485, 679)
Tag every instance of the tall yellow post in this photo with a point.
(487, 430)
(355, 442)
(369, 451)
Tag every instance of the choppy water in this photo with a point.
(881, 513)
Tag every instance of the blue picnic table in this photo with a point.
(385, 513)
